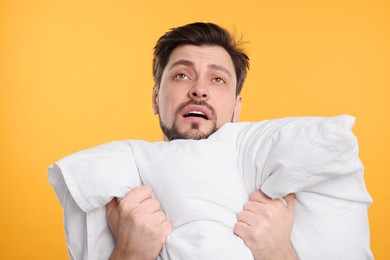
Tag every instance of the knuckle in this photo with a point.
(278, 205)
(159, 216)
(168, 226)
(250, 238)
(146, 189)
(163, 215)
(166, 229)
(268, 213)
(247, 205)
(143, 191)
(146, 226)
(156, 203)
(256, 234)
(238, 228)
(241, 215)
(136, 215)
(156, 233)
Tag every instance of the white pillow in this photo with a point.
(203, 184)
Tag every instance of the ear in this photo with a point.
(237, 109)
(155, 100)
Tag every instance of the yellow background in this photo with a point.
(75, 74)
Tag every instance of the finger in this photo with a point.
(165, 230)
(247, 217)
(159, 217)
(153, 220)
(259, 196)
(166, 227)
(111, 206)
(241, 229)
(290, 199)
(138, 195)
(252, 206)
(150, 205)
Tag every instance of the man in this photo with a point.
(199, 71)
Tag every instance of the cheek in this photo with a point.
(225, 113)
(167, 106)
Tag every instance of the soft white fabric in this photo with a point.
(202, 185)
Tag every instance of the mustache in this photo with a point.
(197, 103)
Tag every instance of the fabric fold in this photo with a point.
(202, 185)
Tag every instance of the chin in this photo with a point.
(198, 135)
(194, 130)
(198, 132)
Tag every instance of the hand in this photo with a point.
(139, 226)
(265, 226)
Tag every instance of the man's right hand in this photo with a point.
(139, 226)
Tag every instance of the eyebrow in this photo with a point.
(191, 64)
(182, 62)
(217, 67)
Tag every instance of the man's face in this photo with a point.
(197, 94)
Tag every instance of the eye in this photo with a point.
(181, 76)
(219, 80)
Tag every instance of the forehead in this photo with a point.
(202, 55)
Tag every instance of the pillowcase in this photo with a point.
(203, 184)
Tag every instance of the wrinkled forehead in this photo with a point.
(202, 55)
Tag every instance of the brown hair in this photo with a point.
(199, 34)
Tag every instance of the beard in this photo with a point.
(173, 132)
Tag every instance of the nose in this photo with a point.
(199, 92)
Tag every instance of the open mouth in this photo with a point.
(196, 114)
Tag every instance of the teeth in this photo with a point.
(196, 112)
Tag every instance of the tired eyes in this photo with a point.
(182, 76)
(219, 80)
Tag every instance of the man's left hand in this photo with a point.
(265, 226)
